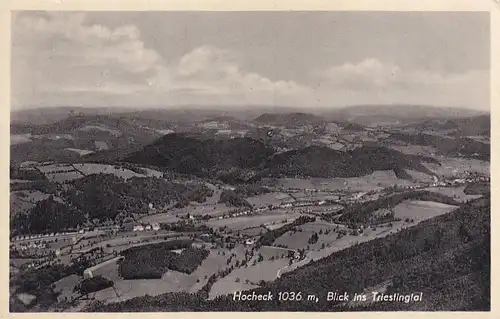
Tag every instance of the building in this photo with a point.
(138, 228)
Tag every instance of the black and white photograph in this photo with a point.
(249, 161)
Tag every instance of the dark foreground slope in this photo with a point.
(447, 258)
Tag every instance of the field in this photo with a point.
(421, 210)
(152, 173)
(217, 260)
(420, 176)
(268, 199)
(239, 223)
(255, 231)
(266, 270)
(100, 128)
(452, 166)
(63, 177)
(374, 181)
(299, 239)
(91, 168)
(79, 151)
(53, 168)
(65, 286)
(202, 209)
(160, 218)
(172, 281)
(456, 193)
(334, 245)
(415, 149)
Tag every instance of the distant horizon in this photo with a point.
(302, 109)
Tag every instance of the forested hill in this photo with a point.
(453, 147)
(186, 154)
(447, 258)
(210, 157)
(317, 161)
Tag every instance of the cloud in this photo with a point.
(62, 59)
(59, 53)
(60, 50)
(369, 73)
(214, 71)
(374, 81)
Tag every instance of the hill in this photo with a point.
(203, 157)
(101, 198)
(454, 147)
(447, 258)
(189, 154)
(50, 142)
(477, 125)
(317, 161)
(372, 114)
(292, 120)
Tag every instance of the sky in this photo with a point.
(238, 59)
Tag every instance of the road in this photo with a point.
(302, 262)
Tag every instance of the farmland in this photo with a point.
(201, 209)
(453, 192)
(240, 223)
(90, 168)
(269, 199)
(452, 166)
(266, 270)
(79, 151)
(63, 177)
(172, 281)
(421, 210)
(374, 181)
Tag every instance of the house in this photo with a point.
(249, 242)
(224, 132)
(138, 228)
(155, 226)
(148, 227)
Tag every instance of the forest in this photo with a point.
(153, 260)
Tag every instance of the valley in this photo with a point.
(235, 211)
